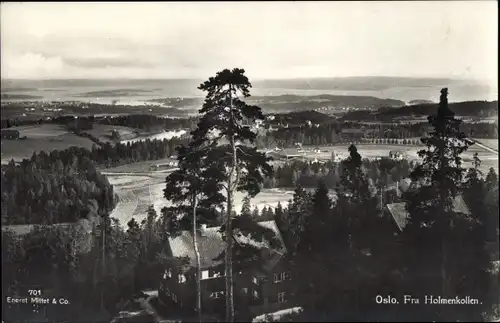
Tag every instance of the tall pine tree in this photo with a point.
(220, 133)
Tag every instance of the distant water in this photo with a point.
(138, 92)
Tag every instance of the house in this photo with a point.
(261, 286)
(10, 134)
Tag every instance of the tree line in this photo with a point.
(383, 172)
(331, 133)
(62, 186)
(145, 122)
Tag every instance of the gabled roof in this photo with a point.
(400, 214)
(271, 255)
(211, 246)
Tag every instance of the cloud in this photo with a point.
(287, 39)
(29, 64)
(107, 62)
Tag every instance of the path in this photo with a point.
(485, 147)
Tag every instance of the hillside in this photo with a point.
(353, 83)
(477, 109)
(326, 102)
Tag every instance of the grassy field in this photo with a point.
(103, 132)
(41, 131)
(138, 192)
(144, 166)
(47, 137)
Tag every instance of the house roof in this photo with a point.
(272, 255)
(211, 246)
(400, 214)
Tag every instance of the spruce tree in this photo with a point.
(440, 240)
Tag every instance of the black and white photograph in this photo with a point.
(239, 161)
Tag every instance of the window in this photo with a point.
(174, 297)
(255, 294)
(279, 277)
(216, 274)
(255, 281)
(216, 295)
(204, 274)
(281, 297)
(244, 290)
(167, 291)
(168, 273)
(182, 278)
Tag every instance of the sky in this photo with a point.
(268, 39)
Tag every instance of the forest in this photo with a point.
(53, 188)
(383, 172)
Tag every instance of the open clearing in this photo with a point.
(137, 192)
(103, 132)
(146, 188)
(46, 137)
(41, 131)
(144, 166)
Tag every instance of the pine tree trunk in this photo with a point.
(198, 263)
(228, 261)
(231, 185)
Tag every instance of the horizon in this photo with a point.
(437, 78)
(271, 41)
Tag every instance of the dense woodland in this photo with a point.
(96, 283)
(380, 173)
(62, 186)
